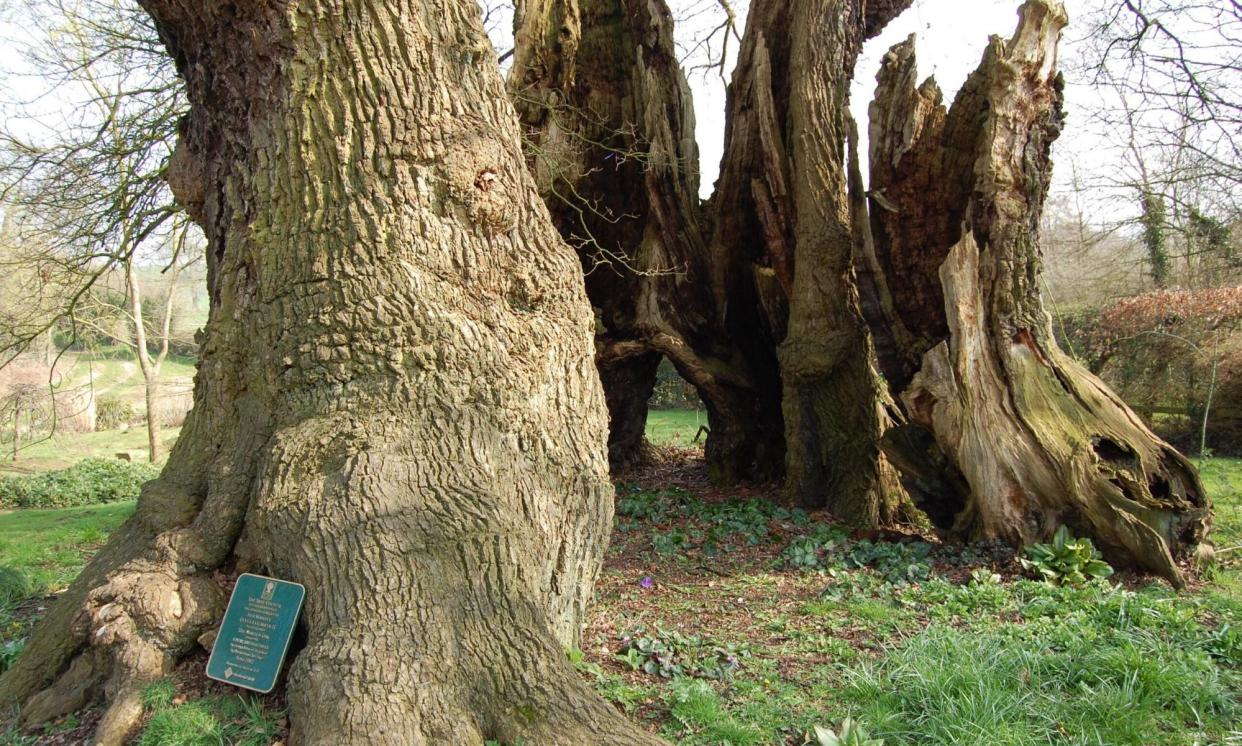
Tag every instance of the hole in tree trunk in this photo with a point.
(675, 415)
(934, 483)
(1114, 453)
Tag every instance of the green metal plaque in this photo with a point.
(254, 636)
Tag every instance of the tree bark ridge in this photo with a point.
(784, 255)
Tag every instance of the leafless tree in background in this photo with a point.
(88, 181)
(1169, 78)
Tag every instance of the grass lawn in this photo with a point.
(115, 373)
(65, 449)
(675, 427)
(50, 546)
(722, 617)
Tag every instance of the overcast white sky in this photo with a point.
(951, 37)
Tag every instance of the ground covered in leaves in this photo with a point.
(728, 617)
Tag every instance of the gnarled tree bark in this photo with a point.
(396, 403)
(1019, 439)
(783, 248)
(609, 131)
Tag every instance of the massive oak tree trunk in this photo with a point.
(1011, 436)
(395, 405)
(609, 130)
(783, 247)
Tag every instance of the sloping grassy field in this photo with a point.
(112, 373)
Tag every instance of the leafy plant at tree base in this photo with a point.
(641, 505)
(898, 563)
(580, 663)
(1066, 561)
(671, 542)
(811, 552)
(803, 554)
(651, 655)
(984, 576)
(669, 654)
(9, 651)
(851, 734)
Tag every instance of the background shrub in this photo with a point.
(173, 407)
(1163, 352)
(113, 413)
(91, 481)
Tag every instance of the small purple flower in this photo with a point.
(647, 581)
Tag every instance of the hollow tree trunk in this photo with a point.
(395, 403)
(1023, 439)
(783, 247)
(609, 132)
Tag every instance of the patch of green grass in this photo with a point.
(211, 721)
(1223, 479)
(869, 612)
(701, 718)
(246, 721)
(675, 427)
(1094, 685)
(50, 547)
(190, 724)
(15, 586)
(778, 705)
(159, 695)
